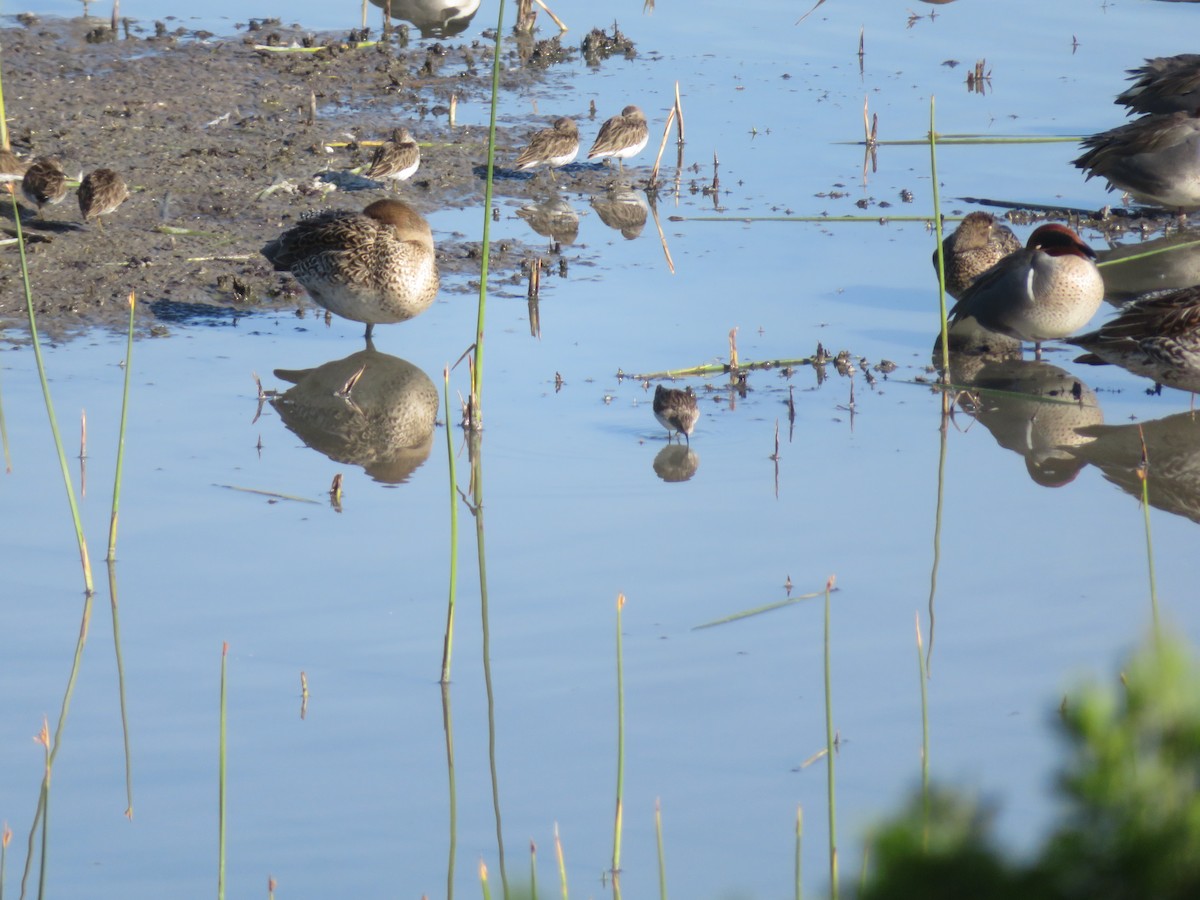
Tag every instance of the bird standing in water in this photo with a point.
(676, 411)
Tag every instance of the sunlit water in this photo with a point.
(1036, 587)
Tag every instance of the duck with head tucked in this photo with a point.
(1165, 84)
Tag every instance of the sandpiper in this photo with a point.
(1165, 84)
(1047, 290)
(676, 411)
(1156, 159)
(44, 182)
(977, 244)
(100, 193)
(554, 147)
(12, 168)
(1157, 336)
(396, 159)
(373, 266)
(621, 136)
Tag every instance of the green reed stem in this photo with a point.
(1143, 474)
(45, 809)
(84, 560)
(483, 881)
(937, 528)
(829, 749)
(1146, 254)
(477, 370)
(825, 220)
(662, 859)
(966, 140)
(937, 226)
(448, 728)
(799, 842)
(758, 610)
(532, 871)
(116, 501)
(116, 623)
(924, 675)
(221, 780)
(448, 640)
(562, 863)
(616, 857)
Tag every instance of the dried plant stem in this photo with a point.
(799, 842)
(617, 820)
(550, 13)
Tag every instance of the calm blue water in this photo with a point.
(1037, 586)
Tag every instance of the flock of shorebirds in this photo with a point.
(44, 181)
(1051, 287)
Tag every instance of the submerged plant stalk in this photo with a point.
(937, 226)
(616, 857)
(221, 782)
(116, 501)
(448, 640)
(829, 748)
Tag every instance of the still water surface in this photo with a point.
(1037, 586)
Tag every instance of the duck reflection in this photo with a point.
(676, 462)
(1174, 263)
(625, 211)
(1173, 453)
(1032, 408)
(433, 18)
(369, 409)
(553, 218)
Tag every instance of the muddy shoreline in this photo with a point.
(214, 139)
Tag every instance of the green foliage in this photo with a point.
(1131, 791)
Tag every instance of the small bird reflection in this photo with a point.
(1034, 409)
(625, 211)
(676, 462)
(434, 18)
(1173, 453)
(553, 218)
(369, 409)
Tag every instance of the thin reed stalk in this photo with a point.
(799, 842)
(662, 861)
(532, 870)
(84, 560)
(1143, 474)
(829, 749)
(937, 226)
(758, 610)
(448, 640)
(483, 881)
(43, 738)
(616, 857)
(924, 674)
(824, 220)
(562, 863)
(967, 140)
(448, 728)
(476, 411)
(116, 625)
(221, 779)
(937, 528)
(116, 499)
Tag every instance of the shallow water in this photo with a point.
(1036, 586)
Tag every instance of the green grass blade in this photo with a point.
(448, 640)
(116, 501)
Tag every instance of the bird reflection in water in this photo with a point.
(1033, 408)
(369, 409)
(676, 462)
(1173, 262)
(433, 18)
(553, 218)
(1172, 447)
(625, 211)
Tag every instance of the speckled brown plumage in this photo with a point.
(1165, 84)
(1157, 336)
(12, 168)
(553, 147)
(622, 136)
(377, 266)
(396, 159)
(44, 182)
(100, 193)
(977, 244)
(676, 411)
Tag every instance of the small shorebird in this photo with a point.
(676, 411)
(11, 166)
(977, 244)
(1047, 290)
(373, 266)
(622, 136)
(396, 159)
(44, 182)
(100, 193)
(1157, 336)
(1165, 84)
(1156, 159)
(554, 147)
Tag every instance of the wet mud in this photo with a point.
(221, 150)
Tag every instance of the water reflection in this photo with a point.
(1173, 454)
(1174, 263)
(553, 218)
(433, 18)
(676, 462)
(1034, 409)
(369, 409)
(623, 210)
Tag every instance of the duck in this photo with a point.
(374, 266)
(676, 411)
(977, 244)
(1165, 84)
(1155, 159)
(1157, 336)
(1046, 290)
